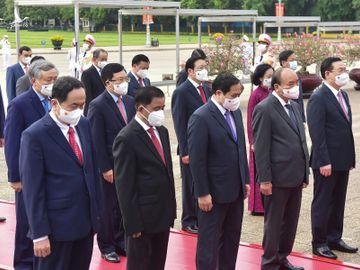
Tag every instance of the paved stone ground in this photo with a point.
(163, 62)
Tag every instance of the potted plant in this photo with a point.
(351, 53)
(57, 41)
(309, 50)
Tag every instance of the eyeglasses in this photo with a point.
(127, 79)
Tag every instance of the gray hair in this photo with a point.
(38, 66)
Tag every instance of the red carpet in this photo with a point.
(181, 253)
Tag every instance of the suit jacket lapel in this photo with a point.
(346, 99)
(193, 91)
(145, 137)
(336, 103)
(165, 146)
(114, 107)
(237, 120)
(59, 138)
(280, 109)
(299, 122)
(220, 118)
(36, 103)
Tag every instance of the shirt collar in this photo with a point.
(220, 107)
(22, 65)
(62, 126)
(115, 98)
(332, 89)
(195, 84)
(142, 123)
(41, 97)
(283, 103)
(97, 68)
(136, 76)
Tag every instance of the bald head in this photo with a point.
(284, 78)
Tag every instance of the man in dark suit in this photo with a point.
(182, 76)
(145, 183)
(287, 59)
(91, 77)
(188, 97)
(332, 156)
(14, 72)
(108, 114)
(282, 166)
(23, 111)
(220, 171)
(139, 74)
(2, 120)
(60, 181)
(24, 83)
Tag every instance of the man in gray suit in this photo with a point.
(24, 83)
(282, 165)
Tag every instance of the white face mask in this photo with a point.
(291, 93)
(102, 64)
(267, 82)
(86, 46)
(342, 79)
(27, 60)
(70, 118)
(293, 65)
(46, 89)
(156, 118)
(121, 89)
(262, 47)
(202, 75)
(232, 104)
(143, 73)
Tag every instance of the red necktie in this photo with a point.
(202, 93)
(122, 111)
(141, 82)
(74, 145)
(157, 144)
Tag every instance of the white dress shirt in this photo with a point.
(282, 102)
(223, 111)
(195, 84)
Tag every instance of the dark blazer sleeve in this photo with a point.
(34, 189)
(98, 129)
(10, 83)
(261, 131)
(126, 185)
(316, 116)
(14, 126)
(198, 146)
(2, 115)
(179, 115)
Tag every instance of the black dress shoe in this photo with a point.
(111, 257)
(343, 247)
(324, 252)
(289, 266)
(121, 252)
(191, 229)
(2, 219)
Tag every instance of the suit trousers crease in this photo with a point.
(110, 236)
(328, 206)
(148, 252)
(70, 255)
(282, 210)
(189, 202)
(219, 236)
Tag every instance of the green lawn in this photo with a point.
(103, 39)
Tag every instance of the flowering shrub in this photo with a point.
(350, 50)
(308, 49)
(224, 54)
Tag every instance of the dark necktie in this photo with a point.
(157, 144)
(202, 93)
(74, 145)
(228, 120)
(292, 116)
